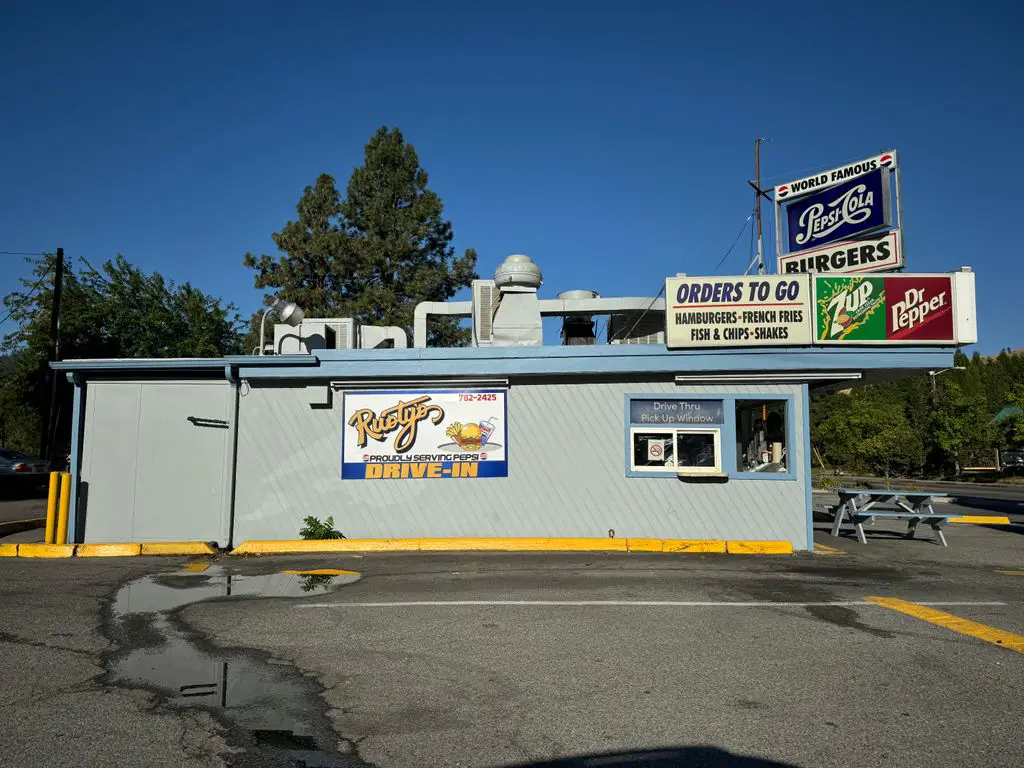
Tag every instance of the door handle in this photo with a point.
(200, 421)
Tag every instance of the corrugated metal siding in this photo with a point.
(566, 476)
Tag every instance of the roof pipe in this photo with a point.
(426, 308)
(372, 336)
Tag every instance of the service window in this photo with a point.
(673, 451)
(653, 451)
(762, 442)
(674, 435)
(698, 451)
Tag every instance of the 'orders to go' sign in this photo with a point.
(795, 310)
(738, 311)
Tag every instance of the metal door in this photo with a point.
(177, 458)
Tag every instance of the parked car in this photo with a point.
(1011, 460)
(19, 471)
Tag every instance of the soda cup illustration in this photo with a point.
(486, 428)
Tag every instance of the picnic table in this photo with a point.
(861, 505)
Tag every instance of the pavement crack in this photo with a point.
(10, 639)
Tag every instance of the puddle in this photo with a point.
(272, 709)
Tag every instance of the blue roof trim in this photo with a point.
(650, 360)
(184, 363)
(537, 361)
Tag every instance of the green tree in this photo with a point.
(377, 253)
(114, 311)
(313, 248)
(961, 423)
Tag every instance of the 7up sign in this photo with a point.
(900, 309)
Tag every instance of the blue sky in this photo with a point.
(611, 142)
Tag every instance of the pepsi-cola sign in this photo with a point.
(839, 212)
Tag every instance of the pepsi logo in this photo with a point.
(483, 455)
(885, 160)
(366, 457)
(783, 190)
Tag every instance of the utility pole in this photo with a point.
(758, 194)
(49, 424)
(757, 199)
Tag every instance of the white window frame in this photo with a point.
(670, 433)
(674, 468)
(716, 435)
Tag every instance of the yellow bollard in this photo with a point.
(65, 505)
(51, 507)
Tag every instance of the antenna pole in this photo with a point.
(757, 202)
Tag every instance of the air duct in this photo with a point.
(578, 330)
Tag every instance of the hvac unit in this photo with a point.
(637, 328)
(485, 297)
(315, 333)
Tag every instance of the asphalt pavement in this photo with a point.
(494, 659)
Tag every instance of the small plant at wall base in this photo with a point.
(314, 529)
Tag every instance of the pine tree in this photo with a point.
(375, 255)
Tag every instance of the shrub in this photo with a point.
(314, 529)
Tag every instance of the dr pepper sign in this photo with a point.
(738, 311)
(897, 309)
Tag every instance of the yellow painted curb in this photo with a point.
(514, 544)
(46, 550)
(759, 548)
(300, 546)
(108, 550)
(8, 550)
(697, 545)
(976, 629)
(981, 520)
(323, 572)
(645, 545)
(177, 548)
(525, 544)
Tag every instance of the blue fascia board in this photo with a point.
(536, 361)
(555, 361)
(184, 363)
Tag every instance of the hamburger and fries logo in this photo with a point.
(423, 435)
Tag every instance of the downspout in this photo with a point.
(231, 374)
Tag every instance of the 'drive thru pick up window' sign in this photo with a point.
(673, 411)
(738, 311)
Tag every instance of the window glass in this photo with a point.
(761, 439)
(696, 450)
(653, 450)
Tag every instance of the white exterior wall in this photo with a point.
(567, 476)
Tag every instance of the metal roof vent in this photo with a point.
(516, 319)
(518, 271)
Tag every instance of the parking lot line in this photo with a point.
(825, 549)
(922, 611)
(623, 603)
(1015, 572)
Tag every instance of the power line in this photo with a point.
(646, 310)
(28, 296)
(736, 240)
(21, 253)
